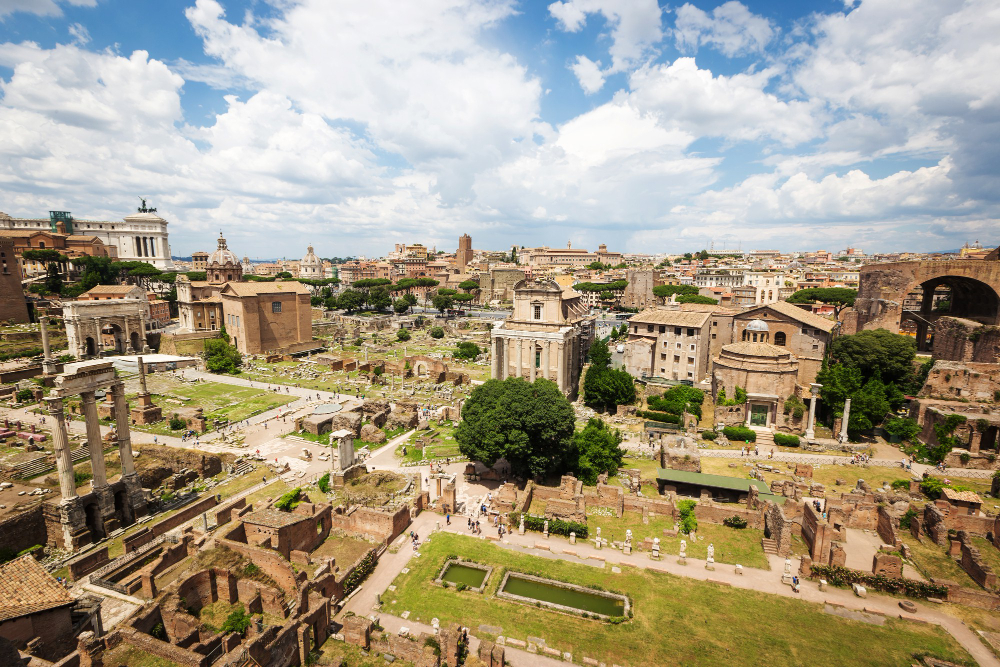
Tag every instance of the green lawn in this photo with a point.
(988, 552)
(731, 545)
(934, 562)
(443, 446)
(677, 621)
(219, 401)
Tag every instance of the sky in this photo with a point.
(651, 127)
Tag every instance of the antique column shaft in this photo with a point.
(142, 377)
(48, 367)
(122, 428)
(520, 352)
(60, 444)
(811, 426)
(532, 366)
(545, 359)
(94, 443)
(847, 416)
(560, 365)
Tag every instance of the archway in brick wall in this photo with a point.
(949, 296)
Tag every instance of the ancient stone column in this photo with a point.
(517, 362)
(843, 426)
(122, 428)
(810, 427)
(94, 443)
(142, 377)
(495, 360)
(532, 368)
(48, 366)
(560, 365)
(545, 358)
(60, 444)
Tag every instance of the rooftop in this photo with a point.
(796, 313)
(752, 349)
(717, 482)
(961, 496)
(272, 518)
(255, 288)
(677, 318)
(26, 588)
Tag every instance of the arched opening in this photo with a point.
(122, 509)
(91, 347)
(92, 511)
(779, 338)
(990, 439)
(947, 296)
(113, 336)
(136, 347)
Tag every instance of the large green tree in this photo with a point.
(605, 388)
(597, 450)
(666, 291)
(878, 352)
(530, 424)
(837, 296)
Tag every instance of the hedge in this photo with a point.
(845, 576)
(556, 526)
(709, 435)
(360, 573)
(664, 417)
(741, 433)
(786, 440)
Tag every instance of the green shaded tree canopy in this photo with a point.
(597, 450)
(528, 424)
(666, 291)
(605, 388)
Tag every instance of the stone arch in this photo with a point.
(117, 335)
(90, 347)
(136, 346)
(92, 512)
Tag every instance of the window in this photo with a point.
(41, 244)
(677, 331)
(690, 332)
(678, 346)
(692, 347)
(663, 329)
(677, 358)
(275, 306)
(538, 312)
(635, 329)
(538, 359)
(237, 321)
(713, 336)
(663, 357)
(779, 338)
(649, 327)
(691, 361)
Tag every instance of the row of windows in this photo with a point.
(677, 359)
(663, 329)
(233, 320)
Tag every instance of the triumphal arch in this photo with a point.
(79, 519)
(86, 320)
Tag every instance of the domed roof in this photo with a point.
(310, 257)
(222, 254)
(757, 325)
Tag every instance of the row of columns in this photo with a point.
(95, 445)
(522, 350)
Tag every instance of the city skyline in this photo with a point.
(650, 128)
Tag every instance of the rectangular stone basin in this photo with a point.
(456, 572)
(562, 596)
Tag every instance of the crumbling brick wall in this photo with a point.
(24, 530)
(887, 528)
(972, 562)
(817, 534)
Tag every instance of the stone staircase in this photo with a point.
(770, 546)
(764, 437)
(43, 464)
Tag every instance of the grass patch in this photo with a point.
(219, 401)
(934, 563)
(731, 545)
(677, 621)
(125, 654)
(988, 552)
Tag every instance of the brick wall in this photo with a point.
(148, 644)
(267, 560)
(887, 528)
(23, 531)
(817, 534)
(183, 516)
(225, 513)
(84, 565)
(372, 523)
(973, 563)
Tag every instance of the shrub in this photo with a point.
(685, 509)
(24, 396)
(176, 423)
(661, 417)
(289, 500)
(324, 483)
(237, 621)
(740, 433)
(403, 335)
(436, 332)
(467, 350)
(709, 435)
(964, 457)
(556, 526)
(735, 522)
(932, 487)
(843, 576)
(786, 440)
(901, 484)
(460, 586)
(908, 516)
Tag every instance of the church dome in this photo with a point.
(222, 254)
(757, 325)
(310, 266)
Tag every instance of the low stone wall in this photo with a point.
(972, 562)
(225, 514)
(152, 646)
(458, 561)
(711, 512)
(558, 607)
(24, 530)
(970, 597)
(84, 565)
(268, 560)
(886, 528)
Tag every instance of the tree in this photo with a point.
(703, 255)
(529, 424)
(840, 297)
(696, 298)
(467, 350)
(666, 291)
(513, 255)
(221, 357)
(52, 260)
(410, 299)
(436, 332)
(237, 621)
(597, 450)
(605, 387)
(402, 335)
(400, 306)
(464, 298)
(876, 352)
(447, 292)
(144, 274)
(379, 298)
(443, 302)
(283, 275)
(468, 285)
(350, 300)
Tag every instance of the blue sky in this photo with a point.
(652, 128)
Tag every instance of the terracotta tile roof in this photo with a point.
(962, 496)
(26, 588)
(675, 318)
(272, 518)
(111, 289)
(255, 288)
(796, 313)
(757, 349)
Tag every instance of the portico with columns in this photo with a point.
(80, 519)
(86, 320)
(547, 336)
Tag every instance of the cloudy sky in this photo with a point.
(650, 127)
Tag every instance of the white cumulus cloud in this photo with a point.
(731, 28)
